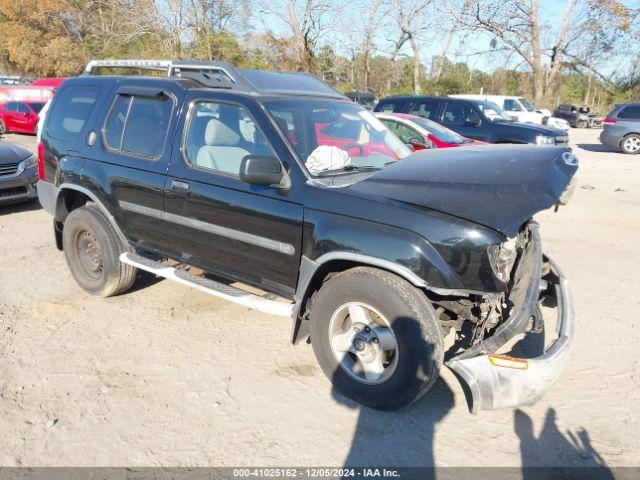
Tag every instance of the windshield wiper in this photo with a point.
(347, 168)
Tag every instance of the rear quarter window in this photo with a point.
(70, 112)
(631, 112)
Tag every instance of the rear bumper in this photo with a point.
(493, 385)
(610, 138)
(20, 188)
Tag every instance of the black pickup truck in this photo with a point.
(315, 211)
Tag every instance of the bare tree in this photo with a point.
(306, 21)
(367, 44)
(516, 23)
(409, 18)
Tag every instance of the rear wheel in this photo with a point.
(92, 250)
(631, 144)
(376, 337)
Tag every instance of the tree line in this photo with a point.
(587, 51)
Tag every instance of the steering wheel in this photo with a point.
(351, 145)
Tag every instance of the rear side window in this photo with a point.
(389, 106)
(70, 112)
(425, 108)
(138, 125)
(631, 112)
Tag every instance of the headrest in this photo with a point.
(218, 134)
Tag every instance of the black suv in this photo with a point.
(475, 119)
(276, 182)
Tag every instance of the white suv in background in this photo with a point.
(521, 109)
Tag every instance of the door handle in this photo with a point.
(178, 186)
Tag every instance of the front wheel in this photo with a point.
(376, 337)
(631, 144)
(3, 127)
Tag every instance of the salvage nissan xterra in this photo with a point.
(211, 175)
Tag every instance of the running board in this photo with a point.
(206, 285)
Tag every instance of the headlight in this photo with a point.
(26, 163)
(502, 257)
(544, 140)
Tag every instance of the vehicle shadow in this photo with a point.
(20, 207)
(597, 147)
(402, 438)
(144, 280)
(405, 438)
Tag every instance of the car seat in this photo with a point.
(221, 151)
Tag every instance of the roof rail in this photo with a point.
(216, 74)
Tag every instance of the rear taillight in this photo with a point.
(609, 120)
(41, 161)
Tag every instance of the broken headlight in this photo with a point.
(502, 257)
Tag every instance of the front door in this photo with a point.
(462, 118)
(248, 233)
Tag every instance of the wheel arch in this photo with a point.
(70, 197)
(313, 273)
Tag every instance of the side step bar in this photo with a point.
(206, 285)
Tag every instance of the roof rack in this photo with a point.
(216, 74)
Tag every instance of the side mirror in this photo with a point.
(263, 170)
(472, 121)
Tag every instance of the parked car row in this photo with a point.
(474, 119)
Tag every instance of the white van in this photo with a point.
(521, 109)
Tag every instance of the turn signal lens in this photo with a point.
(508, 362)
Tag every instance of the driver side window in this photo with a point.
(512, 106)
(458, 113)
(220, 135)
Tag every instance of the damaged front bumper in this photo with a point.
(498, 381)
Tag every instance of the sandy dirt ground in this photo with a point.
(166, 375)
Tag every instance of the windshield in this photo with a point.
(334, 137)
(36, 106)
(440, 132)
(526, 104)
(494, 113)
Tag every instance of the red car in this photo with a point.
(421, 133)
(20, 117)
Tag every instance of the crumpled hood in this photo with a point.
(12, 154)
(499, 186)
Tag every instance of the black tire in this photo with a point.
(92, 249)
(412, 320)
(635, 137)
(3, 127)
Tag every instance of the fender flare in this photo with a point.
(309, 268)
(94, 199)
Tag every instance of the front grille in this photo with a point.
(562, 140)
(8, 168)
(13, 192)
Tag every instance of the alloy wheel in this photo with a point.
(363, 343)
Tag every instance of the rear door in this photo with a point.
(129, 155)
(11, 116)
(249, 233)
(424, 107)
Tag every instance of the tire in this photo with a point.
(630, 144)
(92, 250)
(581, 124)
(3, 127)
(410, 370)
